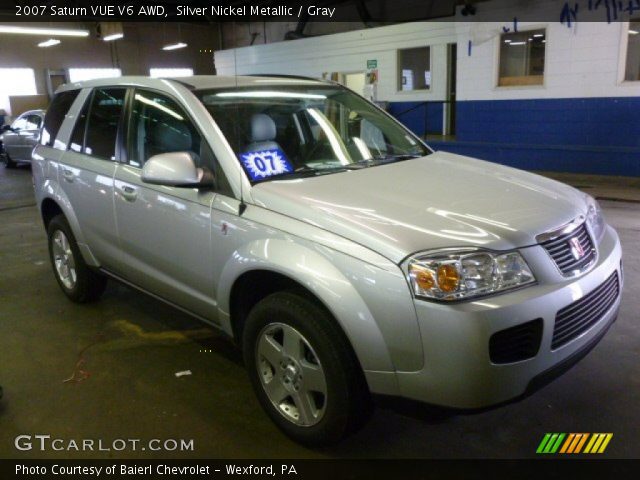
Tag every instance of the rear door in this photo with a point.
(87, 169)
(165, 232)
(29, 135)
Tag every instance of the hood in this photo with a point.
(438, 201)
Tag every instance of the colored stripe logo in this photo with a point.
(574, 443)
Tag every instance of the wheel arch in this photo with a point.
(58, 204)
(273, 265)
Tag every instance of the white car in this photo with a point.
(18, 139)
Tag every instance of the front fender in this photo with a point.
(369, 304)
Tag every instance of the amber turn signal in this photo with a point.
(423, 277)
(448, 278)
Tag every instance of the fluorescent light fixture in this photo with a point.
(174, 46)
(270, 94)
(633, 32)
(49, 43)
(517, 43)
(114, 36)
(538, 35)
(507, 40)
(58, 32)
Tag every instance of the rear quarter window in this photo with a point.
(55, 115)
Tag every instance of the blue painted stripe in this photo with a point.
(611, 121)
(581, 135)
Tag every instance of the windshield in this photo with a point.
(287, 132)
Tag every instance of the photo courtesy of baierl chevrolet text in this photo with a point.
(359, 239)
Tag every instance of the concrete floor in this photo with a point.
(131, 346)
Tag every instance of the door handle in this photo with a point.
(68, 175)
(129, 193)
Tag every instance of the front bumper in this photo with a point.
(458, 371)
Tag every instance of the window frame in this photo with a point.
(19, 118)
(399, 89)
(52, 138)
(39, 123)
(118, 152)
(624, 50)
(528, 28)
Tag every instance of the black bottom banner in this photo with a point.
(321, 469)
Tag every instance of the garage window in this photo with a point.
(522, 58)
(632, 71)
(414, 69)
(80, 74)
(15, 81)
(170, 72)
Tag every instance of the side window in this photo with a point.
(76, 143)
(33, 122)
(159, 125)
(55, 115)
(19, 123)
(103, 120)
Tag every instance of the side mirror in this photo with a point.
(176, 169)
(5, 128)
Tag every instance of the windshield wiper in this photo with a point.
(395, 158)
(304, 172)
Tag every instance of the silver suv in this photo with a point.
(343, 255)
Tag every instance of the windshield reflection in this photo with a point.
(286, 132)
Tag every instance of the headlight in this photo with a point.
(595, 220)
(457, 275)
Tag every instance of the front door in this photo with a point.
(165, 232)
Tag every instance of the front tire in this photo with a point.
(76, 279)
(303, 370)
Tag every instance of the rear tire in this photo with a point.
(303, 370)
(78, 282)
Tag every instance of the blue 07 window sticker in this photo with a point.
(265, 163)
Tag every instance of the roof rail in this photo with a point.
(280, 75)
(181, 82)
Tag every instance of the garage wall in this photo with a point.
(138, 51)
(582, 119)
(348, 53)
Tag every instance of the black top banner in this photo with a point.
(377, 11)
(368, 12)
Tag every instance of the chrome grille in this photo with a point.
(581, 315)
(572, 252)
